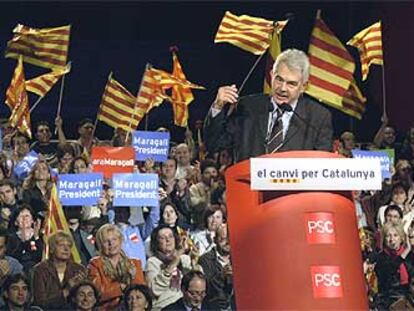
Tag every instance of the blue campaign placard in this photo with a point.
(80, 189)
(22, 169)
(382, 155)
(135, 189)
(151, 145)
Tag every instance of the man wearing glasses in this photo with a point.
(259, 124)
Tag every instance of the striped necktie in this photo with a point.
(275, 140)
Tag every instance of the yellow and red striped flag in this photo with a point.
(181, 95)
(18, 102)
(41, 85)
(151, 93)
(331, 66)
(56, 220)
(369, 44)
(117, 107)
(274, 50)
(46, 47)
(353, 102)
(252, 34)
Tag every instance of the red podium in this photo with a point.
(293, 249)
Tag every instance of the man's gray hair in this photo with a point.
(295, 60)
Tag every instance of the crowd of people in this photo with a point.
(175, 256)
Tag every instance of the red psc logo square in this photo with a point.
(326, 282)
(320, 228)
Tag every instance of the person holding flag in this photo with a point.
(259, 124)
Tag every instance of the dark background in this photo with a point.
(123, 36)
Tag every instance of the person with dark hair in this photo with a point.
(8, 264)
(43, 145)
(16, 294)
(217, 267)
(84, 296)
(21, 147)
(8, 201)
(54, 277)
(138, 298)
(201, 191)
(79, 165)
(167, 266)
(65, 155)
(25, 243)
(393, 214)
(194, 288)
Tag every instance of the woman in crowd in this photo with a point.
(53, 278)
(65, 154)
(394, 264)
(79, 165)
(37, 187)
(213, 218)
(84, 296)
(138, 298)
(167, 266)
(25, 243)
(113, 271)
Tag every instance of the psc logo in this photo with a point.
(320, 228)
(326, 282)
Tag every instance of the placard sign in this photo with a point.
(383, 156)
(151, 145)
(109, 160)
(80, 189)
(22, 169)
(135, 189)
(315, 174)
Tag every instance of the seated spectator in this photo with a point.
(112, 271)
(204, 239)
(217, 267)
(16, 294)
(201, 191)
(8, 265)
(138, 298)
(84, 296)
(166, 267)
(194, 288)
(394, 264)
(53, 278)
(25, 243)
(37, 187)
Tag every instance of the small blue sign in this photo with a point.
(381, 155)
(80, 189)
(151, 145)
(135, 189)
(22, 169)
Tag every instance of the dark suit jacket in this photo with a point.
(246, 128)
(179, 306)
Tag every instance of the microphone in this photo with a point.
(288, 108)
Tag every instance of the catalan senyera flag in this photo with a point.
(151, 93)
(42, 84)
(18, 102)
(252, 34)
(331, 66)
(369, 44)
(274, 50)
(117, 107)
(181, 95)
(353, 103)
(46, 47)
(56, 220)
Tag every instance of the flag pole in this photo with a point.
(147, 67)
(35, 104)
(250, 73)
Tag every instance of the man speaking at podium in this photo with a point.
(258, 124)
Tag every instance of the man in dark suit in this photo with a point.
(259, 124)
(194, 288)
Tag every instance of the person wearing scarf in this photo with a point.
(394, 264)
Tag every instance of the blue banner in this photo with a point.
(22, 169)
(80, 189)
(383, 156)
(151, 145)
(135, 189)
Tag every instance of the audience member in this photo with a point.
(138, 297)
(16, 294)
(84, 296)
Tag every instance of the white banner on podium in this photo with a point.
(315, 174)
